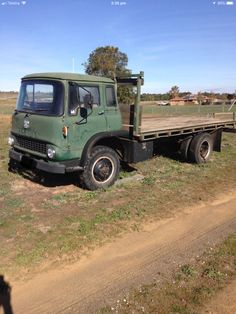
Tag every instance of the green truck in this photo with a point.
(66, 122)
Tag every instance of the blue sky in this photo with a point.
(189, 43)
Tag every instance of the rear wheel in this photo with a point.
(201, 148)
(101, 168)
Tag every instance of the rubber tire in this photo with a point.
(184, 149)
(195, 154)
(88, 180)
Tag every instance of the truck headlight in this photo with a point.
(51, 152)
(11, 140)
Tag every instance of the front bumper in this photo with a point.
(47, 166)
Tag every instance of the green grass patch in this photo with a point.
(14, 202)
(149, 180)
(188, 271)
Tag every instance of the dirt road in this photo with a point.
(132, 260)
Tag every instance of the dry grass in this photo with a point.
(191, 286)
(7, 103)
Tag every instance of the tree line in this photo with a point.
(200, 96)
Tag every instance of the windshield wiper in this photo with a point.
(27, 109)
(41, 110)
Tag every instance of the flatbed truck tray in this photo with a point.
(143, 127)
(156, 127)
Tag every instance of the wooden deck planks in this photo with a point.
(152, 124)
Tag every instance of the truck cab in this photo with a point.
(58, 119)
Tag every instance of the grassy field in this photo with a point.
(7, 103)
(186, 110)
(188, 289)
(49, 219)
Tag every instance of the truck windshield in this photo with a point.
(41, 97)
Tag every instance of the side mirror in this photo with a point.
(88, 101)
(84, 113)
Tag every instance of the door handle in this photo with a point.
(101, 112)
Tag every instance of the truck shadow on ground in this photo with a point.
(171, 150)
(55, 180)
(43, 178)
(170, 154)
(5, 296)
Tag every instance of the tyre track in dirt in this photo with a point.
(134, 259)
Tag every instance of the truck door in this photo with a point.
(81, 129)
(112, 111)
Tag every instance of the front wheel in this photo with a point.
(201, 148)
(101, 168)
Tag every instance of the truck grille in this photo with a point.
(31, 144)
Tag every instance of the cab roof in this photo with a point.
(69, 77)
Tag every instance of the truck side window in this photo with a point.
(78, 94)
(94, 91)
(110, 96)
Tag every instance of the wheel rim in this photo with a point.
(205, 150)
(103, 169)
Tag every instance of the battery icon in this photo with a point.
(229, 3)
